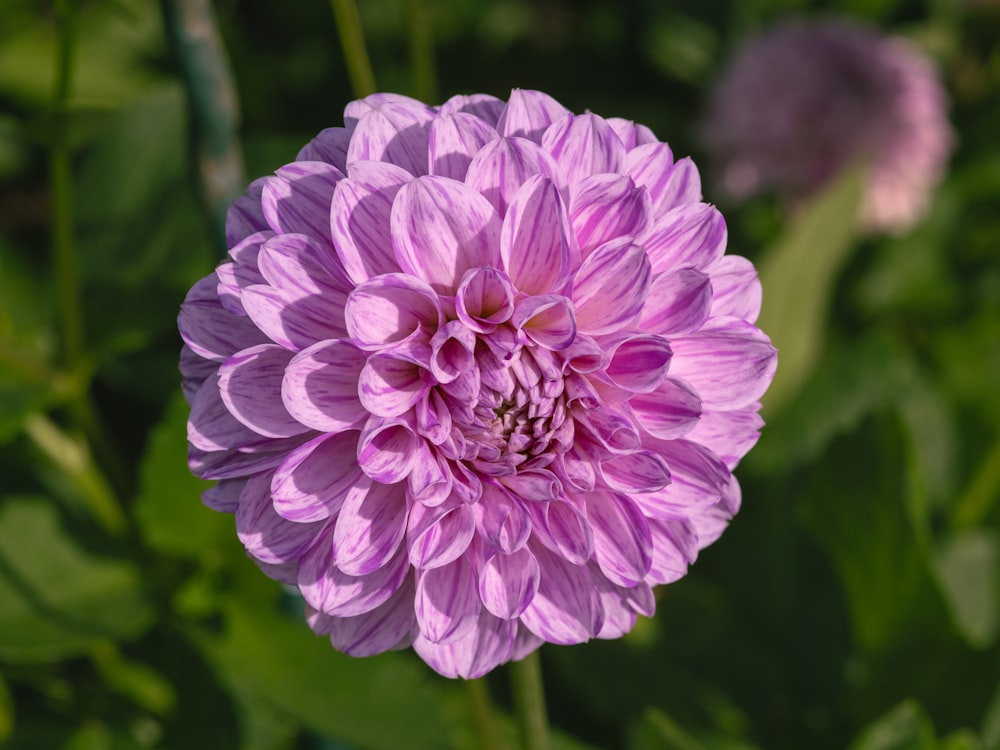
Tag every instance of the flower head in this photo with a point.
(803, 100)
(475, 376)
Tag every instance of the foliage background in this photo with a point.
(853, 603)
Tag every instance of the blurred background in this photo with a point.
(854, 602)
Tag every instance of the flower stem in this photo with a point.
(529, 701)
(422, 51)
(352, 38)
(482, 714)
(64, 254)
(72, 458)
(215, 113)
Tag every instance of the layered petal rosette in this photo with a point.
(475, 377)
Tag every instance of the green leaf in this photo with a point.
(968, 569)
(388, 701)
(57, 598)
(905, 727)
(168, 508)
(115, 41)
(798, 276)
(857, 510)
(657, 731)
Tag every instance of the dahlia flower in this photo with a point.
(801, 101)
(475, 377)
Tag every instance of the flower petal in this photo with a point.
(674, 548)
(566, 609)
(447, 601)
(502, 166)
(583, 145)
(330, 590)
(209, 329)
(297, 199)
(501, 519)
(736, 290)
(604, 207)
(387, 449)
(329, 145)
(359, 218)
(385, 628)
(483, 106)
(689, 235)
(245, 216)
(528, 114)
(729, 362)
(642, 471)
(320, 386)
(394, 132)
(679, 302)
(390, 309)
(535, 241)
(438, 536)
(507, 583)
(485, 299)
(610, 288)
(315, 479)
(486, 646)
(622, 541)
(441, 229)
(698, 479)
(546, 320)
(390, 385)
(669, 185)
(250, 386)
(369, 528)
(454, 140)
(637, 362)
(266, 535)
(668, 412)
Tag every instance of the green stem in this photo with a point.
(64, 253)
(976, 502)
(352, 38)
(482, 713)
(422, 51)
(214, 105)
(529, 701)
(73, 459)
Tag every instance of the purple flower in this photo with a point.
(803, 100)
(475, 377)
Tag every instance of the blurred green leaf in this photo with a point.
(139, 223)
(968, 567)
(6, 711)
(168, 508)
(905, 727)
(798, 275)
(857, 510)
(56, 597)
(115, 40)
(990, 731)
(388, 701)
(657, 731)
(851, 380)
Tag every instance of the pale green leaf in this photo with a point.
(58, 598)
(798, 276)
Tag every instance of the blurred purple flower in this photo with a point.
(475, 377)
(801, 101)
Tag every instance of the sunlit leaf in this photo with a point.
(57, 598)
(388, 701)
(968, 567)
(798, 275)
(168, 508)
(905, 727)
